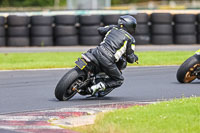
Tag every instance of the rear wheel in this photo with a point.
(185, 73)
(65, 88)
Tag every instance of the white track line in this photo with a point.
(54, 69)
(26, 118)
(29, 127)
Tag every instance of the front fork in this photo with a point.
(197, 71)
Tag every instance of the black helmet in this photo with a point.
(128, 23)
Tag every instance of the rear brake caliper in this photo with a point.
(77, 85)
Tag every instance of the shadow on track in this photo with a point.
(81, 99)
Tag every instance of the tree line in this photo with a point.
(43, 3)
(30, 3)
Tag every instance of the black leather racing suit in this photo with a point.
(117, 45)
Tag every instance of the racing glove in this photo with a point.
(136, 58)
(130, 56)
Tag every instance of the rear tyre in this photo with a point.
(64, 89)
(185, 71)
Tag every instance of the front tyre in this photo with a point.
(64, 89)
(185, 73)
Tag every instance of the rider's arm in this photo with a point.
(104, 30)
(130, 56)
(122, 63)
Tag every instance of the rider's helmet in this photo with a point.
(127, 23)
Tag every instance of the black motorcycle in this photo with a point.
(190, 69)
(85, 74)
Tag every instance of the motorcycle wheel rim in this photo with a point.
(188, 76)
(69, 94)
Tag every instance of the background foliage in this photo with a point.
(31, 3)
(43, 3)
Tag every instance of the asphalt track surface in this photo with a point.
(30, 90)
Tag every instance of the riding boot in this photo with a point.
(98, 87)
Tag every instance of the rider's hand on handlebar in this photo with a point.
(136, 59)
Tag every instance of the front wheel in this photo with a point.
(185, 73)
(65, 87)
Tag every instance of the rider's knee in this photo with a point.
(120, 82)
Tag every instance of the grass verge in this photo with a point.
(176, 116)
(12, 61)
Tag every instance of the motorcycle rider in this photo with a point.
(117, 48)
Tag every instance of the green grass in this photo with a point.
(163, 57)
(12, 61)
(177, 116)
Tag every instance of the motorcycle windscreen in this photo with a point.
(81, 63)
